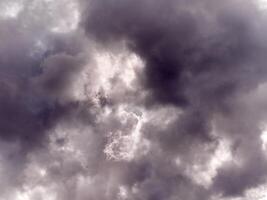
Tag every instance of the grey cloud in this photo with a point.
(203, 65)
(37, 67)
(201, 57)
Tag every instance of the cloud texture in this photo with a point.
(132, 100)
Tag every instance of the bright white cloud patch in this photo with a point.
(204, 174)
(69, 16)
(124, 145)
(10, 9)
(262, 4)
(121, 65)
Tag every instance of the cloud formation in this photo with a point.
(132, 99)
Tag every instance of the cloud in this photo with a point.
(201, 58)
(132, 99)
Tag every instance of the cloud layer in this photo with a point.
(132, 100)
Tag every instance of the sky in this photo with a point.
(133, 100)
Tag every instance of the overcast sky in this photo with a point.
(133, 100)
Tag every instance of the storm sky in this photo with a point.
(133, 100)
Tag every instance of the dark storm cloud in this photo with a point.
(203, 64)
(202, 57)
(183, 44)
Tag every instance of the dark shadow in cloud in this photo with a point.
(175, 46)
(199, 56)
